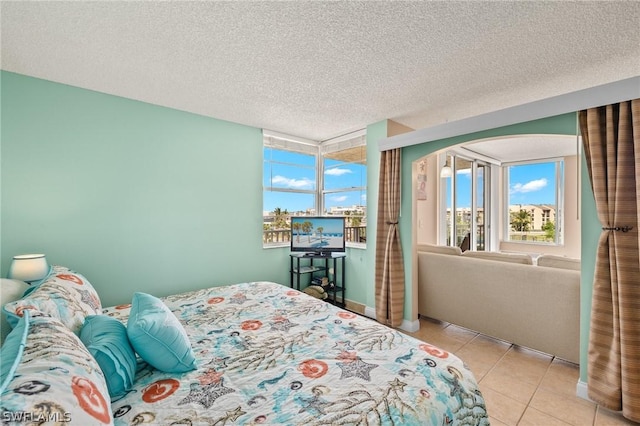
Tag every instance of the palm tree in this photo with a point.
(306, 228)
(521, 220)
(296, 228)
(320, 229)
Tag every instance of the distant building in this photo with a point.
(348, 211)
(539, 213)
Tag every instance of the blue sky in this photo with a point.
(282, 169)
(528, 184)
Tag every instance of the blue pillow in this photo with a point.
(11, 352)
(106, 339)
(157, 336)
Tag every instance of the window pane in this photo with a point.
(344, 189)
(289, 182)
(463, 200)
(351, 205)
(339, 175)
(532, 202)
(480, 207)
(291, 170)
(345, 202)
(449, 223)
(278, 208)
(293, 202)
(459, 191)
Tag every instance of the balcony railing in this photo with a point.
(353, 234)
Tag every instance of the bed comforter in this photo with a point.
(268, 354)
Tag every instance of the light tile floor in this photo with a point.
(520, 386)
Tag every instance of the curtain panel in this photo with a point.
(611, 139)
(389, 274)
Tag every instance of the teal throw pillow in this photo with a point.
(157, 336)
(106, 339)
(11, 352)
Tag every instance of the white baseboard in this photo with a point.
(581, 390)
(370, 312)
(410, 326)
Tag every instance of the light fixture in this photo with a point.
(446, 170)
(28, 267)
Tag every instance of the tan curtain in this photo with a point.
(611, 138)
(389, 262)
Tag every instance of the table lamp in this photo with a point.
(28, 267)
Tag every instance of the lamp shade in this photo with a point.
(445, 172)
(28, 267)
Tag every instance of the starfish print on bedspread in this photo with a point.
(206, 395)
(356, 368)
(314, 404)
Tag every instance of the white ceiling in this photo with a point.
(319, 69)
(524, 148)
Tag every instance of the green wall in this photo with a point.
(139, 197)
(565, 125)
(134, 196)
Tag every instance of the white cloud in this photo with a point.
(339, 198)
(337, 171)
(464, 172)
(531, 186)
(292, 183)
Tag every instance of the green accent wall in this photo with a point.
(564, 125)
(591, 228)
(135, 196)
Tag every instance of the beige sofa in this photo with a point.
(505, 296)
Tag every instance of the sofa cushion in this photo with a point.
(520, 258)
(431, 248)
(561, 262)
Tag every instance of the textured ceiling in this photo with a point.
(322, 69)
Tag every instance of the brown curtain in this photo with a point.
(611, 138)
(389, 262)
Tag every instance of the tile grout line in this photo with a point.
(536, 391)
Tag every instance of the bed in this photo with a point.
(268, 354)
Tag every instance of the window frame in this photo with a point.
(319, 150)
(449, 158)
(559, 191)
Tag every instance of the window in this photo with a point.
(534, 202)
(344, 191)
(289, 183)
(466, 213)
(306, 178)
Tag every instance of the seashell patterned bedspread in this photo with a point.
(268, 354)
